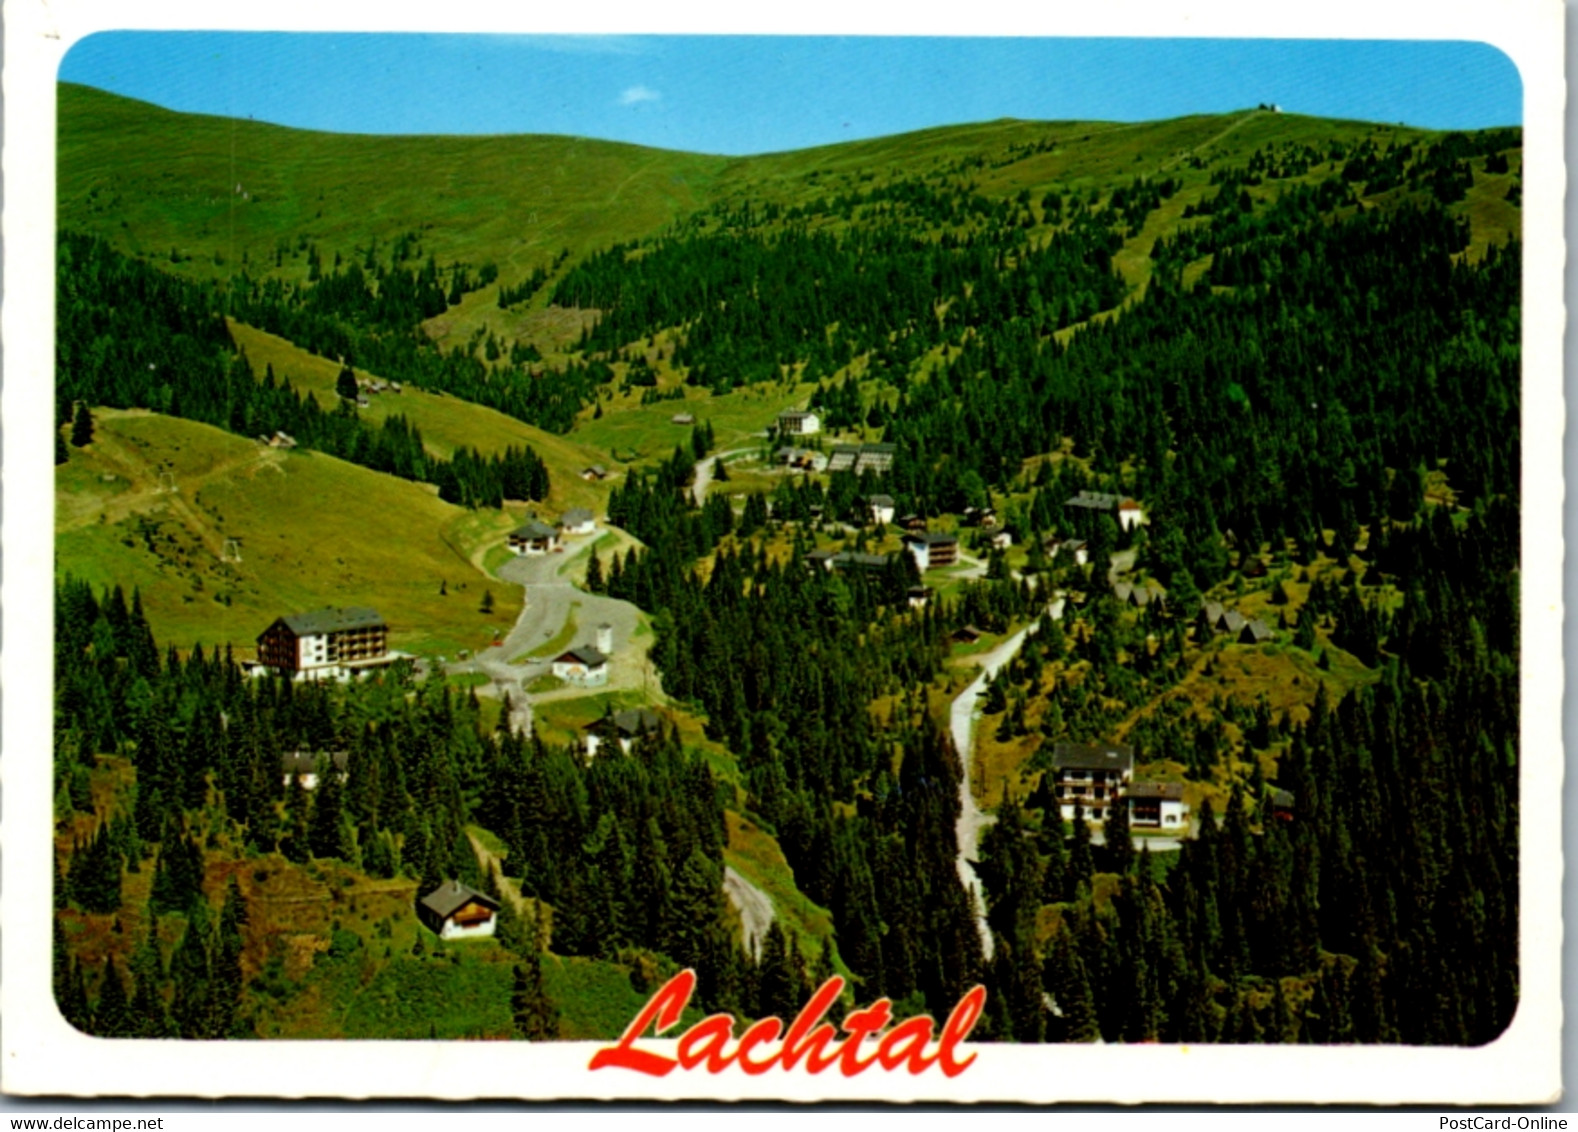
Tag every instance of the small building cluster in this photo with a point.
(1215, 618)
(801, 459)
(1099, 776)
(304, 767)
(1140, 594)
(1129, 513)
(536, 537)
(1075, 548)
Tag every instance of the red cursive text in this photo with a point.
(810, 1042)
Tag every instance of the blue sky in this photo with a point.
(755, 94)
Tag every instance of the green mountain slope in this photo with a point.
(154, 502)
(209, 187)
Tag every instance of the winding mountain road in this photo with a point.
(972, 819)
(551, 600)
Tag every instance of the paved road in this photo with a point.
(550, 601)
(972, 820)
(755, 908)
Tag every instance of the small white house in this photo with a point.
(578, 521)
(534, 538)
(1002, 540)
(1076, 548)
(882, 509)
(1130, 514)
(1157, 805)
(622, 727)
(583, 666)
(799, 422)
(458, 911)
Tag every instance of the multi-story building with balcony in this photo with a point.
(1093, 775)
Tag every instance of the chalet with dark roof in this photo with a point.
(582, 666)
(578, 521)
(536, 537)
(457, 911)
(622, 727)
(1157, 805)
(1076, 548)
(854, 560)
(1092, 774)
(882, 508)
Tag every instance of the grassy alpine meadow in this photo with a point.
(221, 535)
(446, 423)
(216, 195)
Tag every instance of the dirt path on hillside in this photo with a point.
(1249, 116)
(972, 819)
(755, 908)
(493, 863)
(146, 492)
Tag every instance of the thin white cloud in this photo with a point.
(635, 94)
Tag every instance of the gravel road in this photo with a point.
(703, 477)
(755, 908)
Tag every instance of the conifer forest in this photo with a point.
(916, 474)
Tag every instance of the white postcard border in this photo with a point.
(42, 1055)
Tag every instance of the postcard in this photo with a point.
(814, 556)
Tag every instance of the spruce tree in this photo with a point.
(73, 999)
(111, 1014)
(535, 1015)
(192, 973)
(82, 426)
(1120, 842)
(345, 383)
(149, 1016)
(1081, 861)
